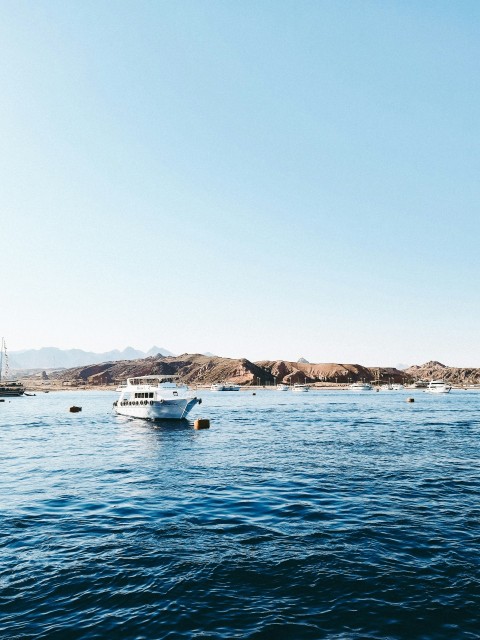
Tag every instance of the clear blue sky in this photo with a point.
(264, 179)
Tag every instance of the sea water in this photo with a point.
(331, 514)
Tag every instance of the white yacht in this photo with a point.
(300, 388)
(438, 386)
(360, 386)
(155, 398)
(420, 384)
(397, 386)
(224, 386)
(282, 387)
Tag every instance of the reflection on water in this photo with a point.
(320, 515)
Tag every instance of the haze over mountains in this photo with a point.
(54, 358)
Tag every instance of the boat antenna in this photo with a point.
(7, 371)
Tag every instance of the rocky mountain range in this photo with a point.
(434, 370)
(204, 370)
(54, 358)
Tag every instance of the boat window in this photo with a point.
(150, 395)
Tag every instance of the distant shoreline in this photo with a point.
(333, 386)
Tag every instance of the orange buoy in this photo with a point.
(410, 399)
(75, 409)
(202, 423)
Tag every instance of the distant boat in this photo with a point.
(11, 388)
(360, 386)
(224, 386)
(397, 387)
(300, 388)
(438, 386)
(8, 387)
(155, 398)
(282, 387)
(420, 384)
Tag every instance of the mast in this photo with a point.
(7, 370)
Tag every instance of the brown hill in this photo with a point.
(205, 370)
(292, 372)
(191, 369)
(434, 370)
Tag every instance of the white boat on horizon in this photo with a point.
(155, 398)
(391, 386)
(438, 386)
(360, 386)
(224, 386)
(420, 384)
(282, 387)
(300, 388)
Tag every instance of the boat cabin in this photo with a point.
(152, 381)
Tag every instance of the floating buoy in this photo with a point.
(254, 394)
(75, 409)
(410, 399)
(202, 423)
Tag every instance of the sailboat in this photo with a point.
(8, 387)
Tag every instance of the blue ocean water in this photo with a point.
(323, 515)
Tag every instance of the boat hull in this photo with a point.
(438, 386)
(222, 387)
(176, 409)
(11, 393)
(361, 386)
